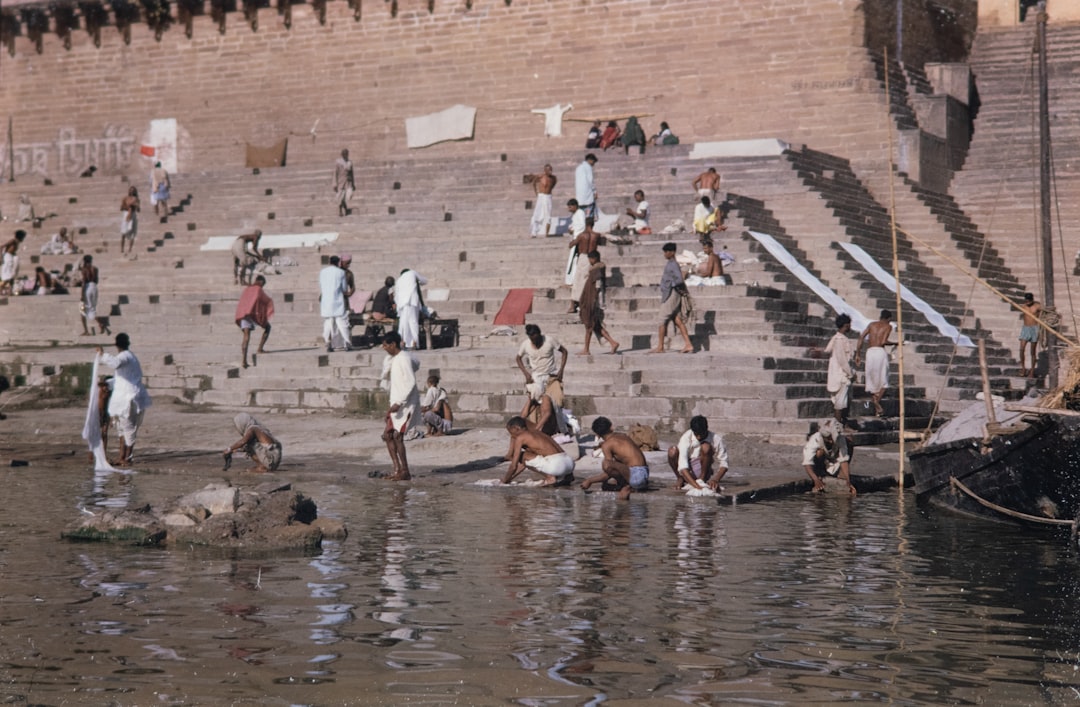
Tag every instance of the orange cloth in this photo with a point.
(255, 305)
(517, 304)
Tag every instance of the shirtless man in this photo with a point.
(623, 464)
(533, 450)
(543, 183)
(88, 272)
(344, 182)
(129, 223)
(1029, 333)
(707, 183)
(245, 251)
(877, 361)
(586, 242)
(712, 267)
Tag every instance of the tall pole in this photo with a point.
(896, 279)
(11, 150)
(1046, 236)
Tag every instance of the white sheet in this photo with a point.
(859, 322)
(454, 123)
(280, 240)
(92, 427)
(920, 305)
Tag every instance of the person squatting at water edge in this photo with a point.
(692, 459)
(624, 465)
(536, 451)
(256, 442)
(129, 397)
(827, 452)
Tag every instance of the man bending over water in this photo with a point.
(624, 464)
(536, 451)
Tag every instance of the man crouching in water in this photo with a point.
(623, 462)
(536, 451)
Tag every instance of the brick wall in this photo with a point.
(793, 69)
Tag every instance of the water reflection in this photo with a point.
(441, 594)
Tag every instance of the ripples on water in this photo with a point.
(452, 594)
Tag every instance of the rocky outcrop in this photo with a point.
(271, 517)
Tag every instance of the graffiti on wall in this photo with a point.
(69, 156)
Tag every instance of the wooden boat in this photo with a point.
(1027, 469)
(1018, 463)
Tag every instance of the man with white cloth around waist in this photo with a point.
(404, 412)
(877, 360)
(129, 399)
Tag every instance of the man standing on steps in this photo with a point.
(89, 297)
(332, 289)
(254, 309)
(1029, 333)
(410, 307)
(584, 187)
(129, 399)
(707, 183)
(672, 291)
(129, 221)
(838, 384)
(541, 219)
(877, 361)
(344, 182)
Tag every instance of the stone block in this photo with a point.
(278, 398)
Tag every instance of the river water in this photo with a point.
(456, 594)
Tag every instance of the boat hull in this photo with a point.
(1035, 471)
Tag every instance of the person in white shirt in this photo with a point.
(584, 186)
(129, 399)
(693, 459)
(332, 288)
(410, 305)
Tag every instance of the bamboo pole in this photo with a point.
(896, 277)
(991, 419)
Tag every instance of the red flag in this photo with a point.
(147, 150)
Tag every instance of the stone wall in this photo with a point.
(791, 69)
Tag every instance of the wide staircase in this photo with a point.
(999, 186)
(465, 228)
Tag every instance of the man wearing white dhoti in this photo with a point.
(129, 222)
(838, 383)
(9, 266)
(88, 304)
(541, 219)
(410, 305)
(877, 360)
(129, 399)
(332, 288)
(404, 412)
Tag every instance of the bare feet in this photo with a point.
(402, 476)
(624, 495)
(258, 469)
(614, 347)
(260, 351)
(1023, 372)
(244, 364)
(656, 351)
(878, 410)
(688, 349)
(584, 353)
